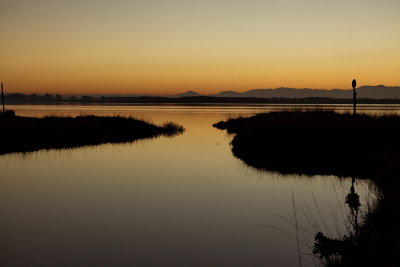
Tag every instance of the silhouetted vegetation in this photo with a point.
(328, 143)
(318, 142)
(23, 134)
(7, 114)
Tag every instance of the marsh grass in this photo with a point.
(25, 134)
(317, 142)
(325, 142)
(310, 219)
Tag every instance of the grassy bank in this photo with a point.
(328, 143)
(24, 134)
(318, 142)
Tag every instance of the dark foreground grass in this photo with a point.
(328, 143)
(318, 142)
(24, 134)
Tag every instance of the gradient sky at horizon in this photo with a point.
(170, 46)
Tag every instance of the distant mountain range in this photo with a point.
(374, 92)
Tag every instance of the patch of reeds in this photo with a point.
(23, 134)
(318, 142)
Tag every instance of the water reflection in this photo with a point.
(66, 153)
(185, 201)
(353, 201)
(331, 249)
(325, 232)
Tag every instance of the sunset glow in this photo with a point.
(170, 46)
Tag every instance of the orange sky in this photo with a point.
(170, 46)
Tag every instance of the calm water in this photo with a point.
(181, 201)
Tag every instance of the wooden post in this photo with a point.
(354, 84)
(2, 96)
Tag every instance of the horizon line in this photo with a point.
(194, 91)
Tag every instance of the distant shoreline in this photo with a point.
(195, 100)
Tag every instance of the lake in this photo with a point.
(180, 201)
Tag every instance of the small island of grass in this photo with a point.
(26, 134)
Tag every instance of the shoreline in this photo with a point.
(100, 104)
(188, 100)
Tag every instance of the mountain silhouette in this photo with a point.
(227, 94)
(376, 92)
(186, 94)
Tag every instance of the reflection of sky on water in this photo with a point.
(143, 109)
(179, 201)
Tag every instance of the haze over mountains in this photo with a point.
(375, 92)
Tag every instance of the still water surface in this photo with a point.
(181, 201)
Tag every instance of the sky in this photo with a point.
(171, 46)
